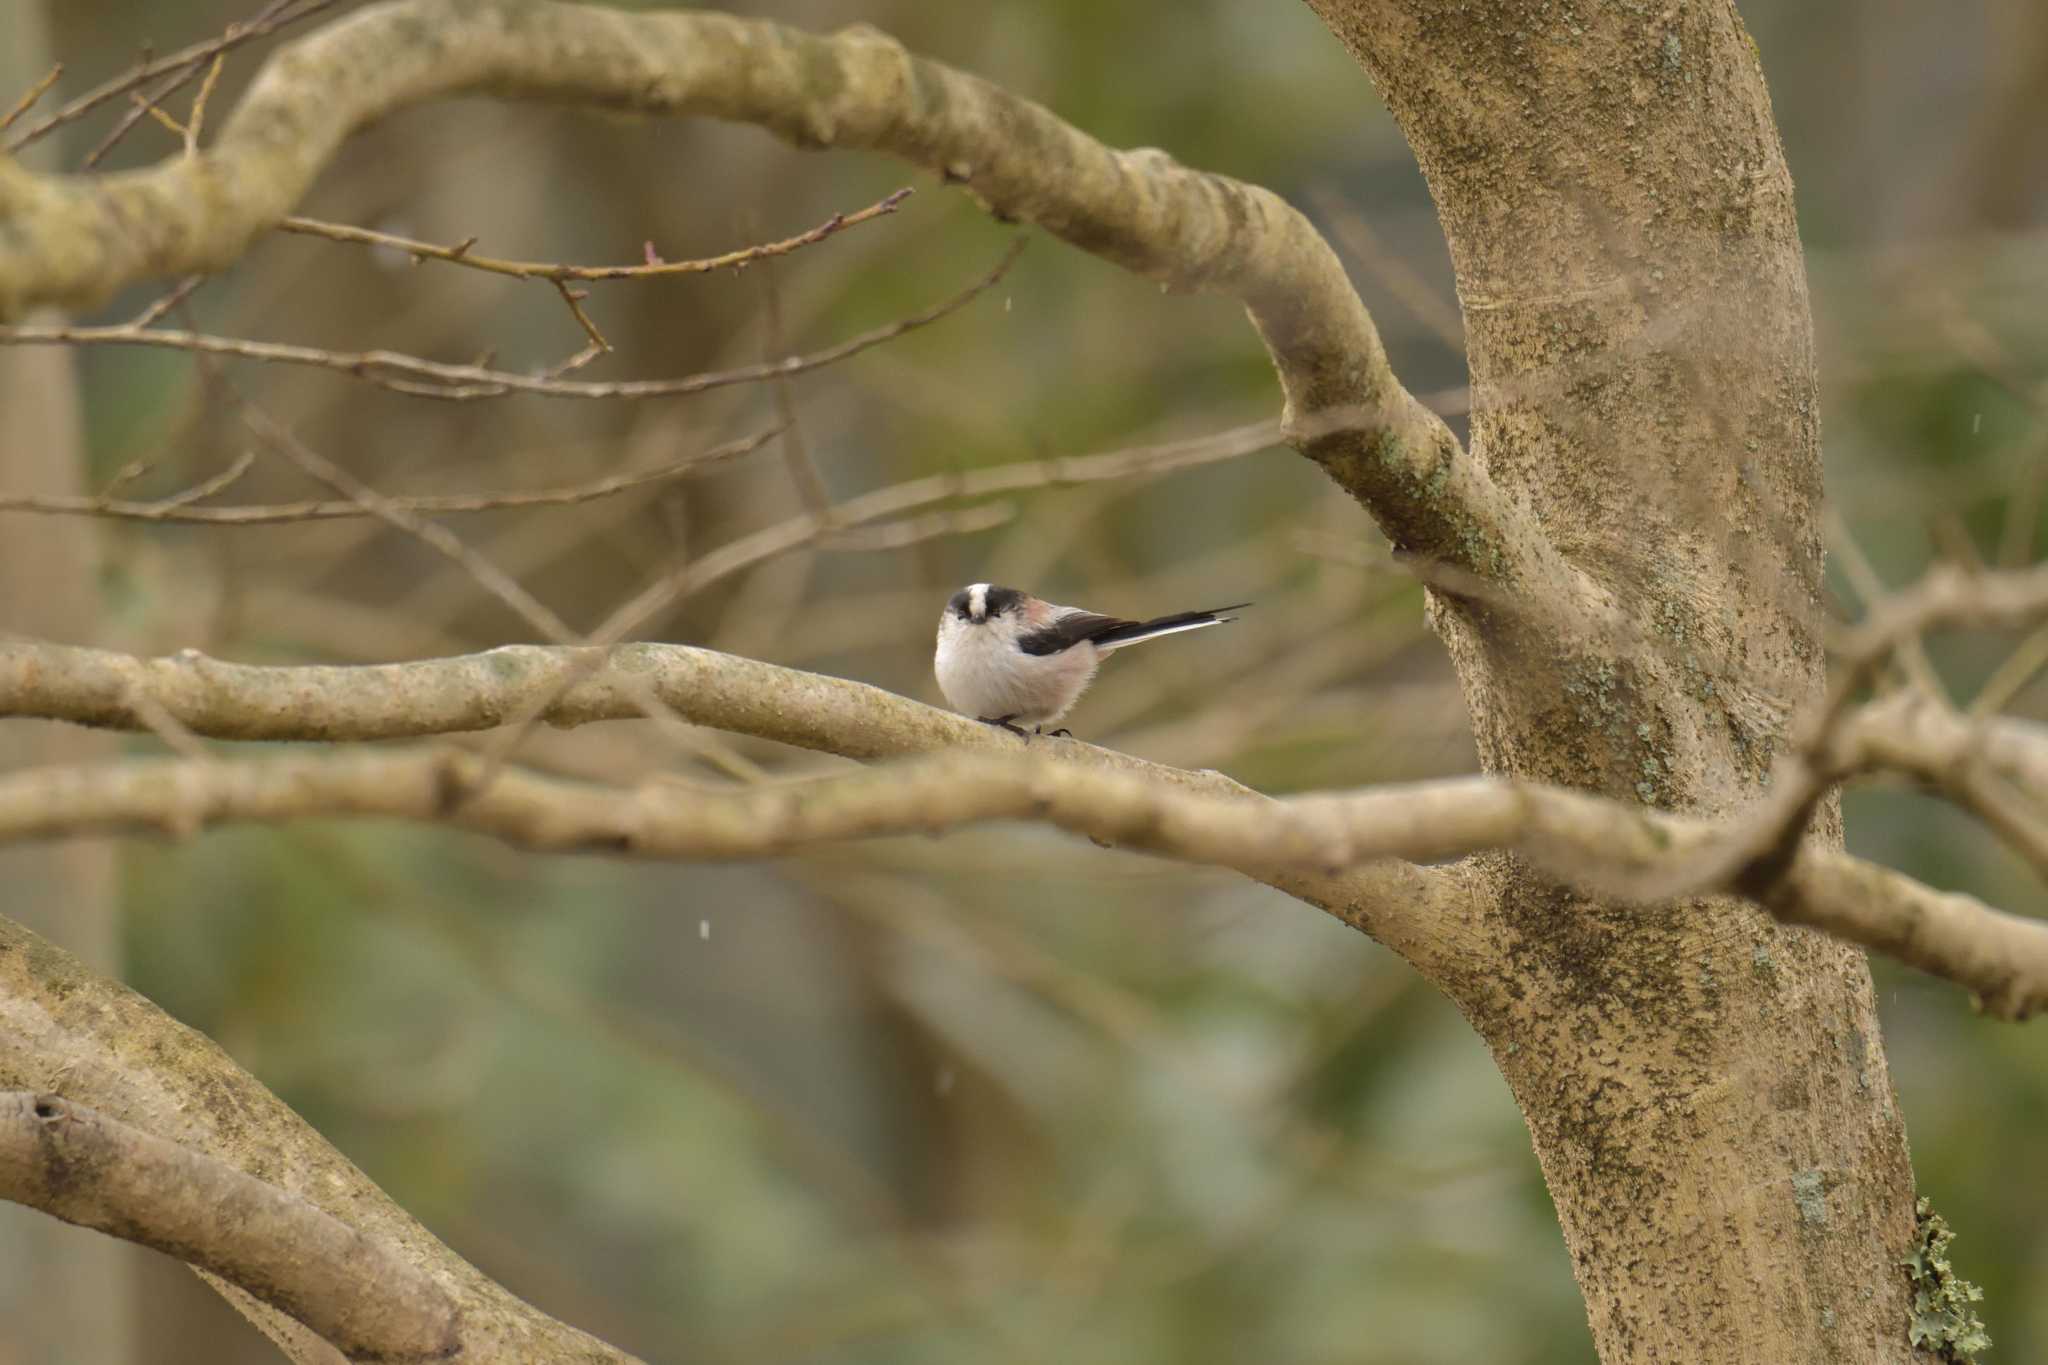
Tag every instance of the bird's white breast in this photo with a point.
(985, 675)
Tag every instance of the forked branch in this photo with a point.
(74, 241)
(1336, 851)
(1596, 845)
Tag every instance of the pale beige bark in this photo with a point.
(1630, 546)
(1620, 217)
(1312, 846)
(78, 1165)
(1333, 850)
(67, 1030)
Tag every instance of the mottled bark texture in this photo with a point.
(77, 1164)
(1706, 1090)
(65, 1030)
(1350, 853)
(1630, 548)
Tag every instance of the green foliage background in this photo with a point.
(1000, 1097)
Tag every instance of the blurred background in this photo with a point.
(1000, 1097)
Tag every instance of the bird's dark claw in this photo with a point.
(1062, 733)
(1005, 723)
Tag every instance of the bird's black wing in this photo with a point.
(1116, 633)
(1069, 630)
(1108, 632)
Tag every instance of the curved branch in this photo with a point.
(86, 1168)
(217, 699)
(75, 241)
(1414, 911)
(2018, 751)
(1589, 842)
(66, 1029)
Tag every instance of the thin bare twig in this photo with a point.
(178, 508)
(29, 98)
(462, 254)
(1401, 279)
(1583, 840)
(764, 544)
(165, 120)
(574, 298)
(479, 567)
(2023, 502)
(434, 379)
(175, 734)
(1862, 576)
(194, 124)
(895, 535)
(2012, 675)
(182, 64)
(210, 486)
(796, 451)
(182, 291)
(494, 580)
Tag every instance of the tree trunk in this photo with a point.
(1706, 1090)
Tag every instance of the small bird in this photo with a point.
(1006, 657)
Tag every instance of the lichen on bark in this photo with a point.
(1945, 1317)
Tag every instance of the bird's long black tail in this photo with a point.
(1130, 632)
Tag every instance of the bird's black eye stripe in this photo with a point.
(1001, 600)
(957, 605)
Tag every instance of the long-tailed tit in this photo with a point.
(1006, 657)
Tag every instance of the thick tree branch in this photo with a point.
(1412, 910)
(86, 1168)
(1599, 847)
(1589, 842)
(221, 700)
(2001, 959)
(1988, 768)
(65, 1029)
(75, 241)
(2017, 751)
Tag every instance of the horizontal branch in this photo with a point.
(423, 378)
(86, 1168)
(1586, 841)
(1410, 910)
(1992, 766)
(1989, 769)
(1618, 850)
(75, 241)
(465, 254)
(339, 703)
(181, 507)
